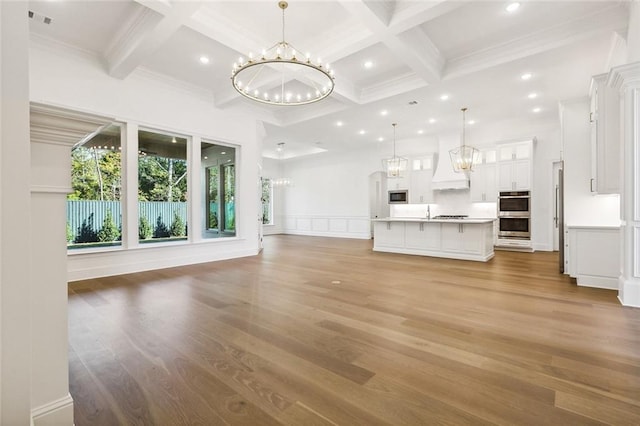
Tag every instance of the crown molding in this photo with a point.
(393, 86)
(203, 93)
(624, 76)
(39, 41)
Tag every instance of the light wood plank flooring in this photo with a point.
(322, 331)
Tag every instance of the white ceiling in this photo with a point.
(474, 51)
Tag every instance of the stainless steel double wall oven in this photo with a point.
(514, 215)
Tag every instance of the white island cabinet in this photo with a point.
(467, 239)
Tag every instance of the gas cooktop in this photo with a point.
(451, 216)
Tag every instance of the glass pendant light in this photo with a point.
(462, 158)
(395, 166)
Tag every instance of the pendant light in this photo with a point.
(281, 181)
(395, 166)
(462, 158)
(282, 75)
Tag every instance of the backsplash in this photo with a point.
(446, 203)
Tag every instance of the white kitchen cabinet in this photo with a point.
(484, 187)
(470, 239)
(462, 238)
(605, 137)
(401, 182)
(422, 235)
(420, 191)
(420, 177)
(514, 166)
(389, 234)
(594, 255)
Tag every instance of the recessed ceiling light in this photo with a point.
(205, 157)
(444, 97)
(173, 140)
(380, 139)
(420, 131)
(526, 76)
(204, 60)
(368, 64)
(432, 120)
(532, 95)
(362, 132)
(512, 7)
(536, 109)
(471, 122)
(339, 123)
(384, 112)
(223, 153)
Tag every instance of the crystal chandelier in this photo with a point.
(280, 77)
(462, 158)
(395, 166)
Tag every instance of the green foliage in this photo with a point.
(162, 179)
(213, 220)
(95, 174)
(109, 231)
(145, 230)
(69, 233)
(161, 230)
(178, 227)
(86, 232)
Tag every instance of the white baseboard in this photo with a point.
(54, 413)
(609, 283)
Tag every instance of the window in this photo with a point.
(162, 187)
(93, 208)
(219, 172)
(267, 202)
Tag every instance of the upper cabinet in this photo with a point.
(514, 166)
(605, 137)
(483, 178)
(420, 191)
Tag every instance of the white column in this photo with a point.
(626, 78)
(53, 132)
(15, 241)
(130, 221)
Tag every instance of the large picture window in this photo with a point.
(219, 173)
(162, 187)
(93, 208)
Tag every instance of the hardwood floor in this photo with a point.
(321, 331)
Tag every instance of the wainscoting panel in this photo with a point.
(328, 226)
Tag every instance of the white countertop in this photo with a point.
(421, 219)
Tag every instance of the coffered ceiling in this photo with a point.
(473, 51)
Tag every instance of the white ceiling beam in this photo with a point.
(145, 33)
(581, 29)
(426, 63)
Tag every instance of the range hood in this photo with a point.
(444, 177)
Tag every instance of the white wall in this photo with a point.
(77, 81)
(15, 243)
(633, 32)
(581, 206)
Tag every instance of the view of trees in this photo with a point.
(97, 176)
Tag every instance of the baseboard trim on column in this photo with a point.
(58, 412)
(629, 292)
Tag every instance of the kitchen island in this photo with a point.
(466, 239)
